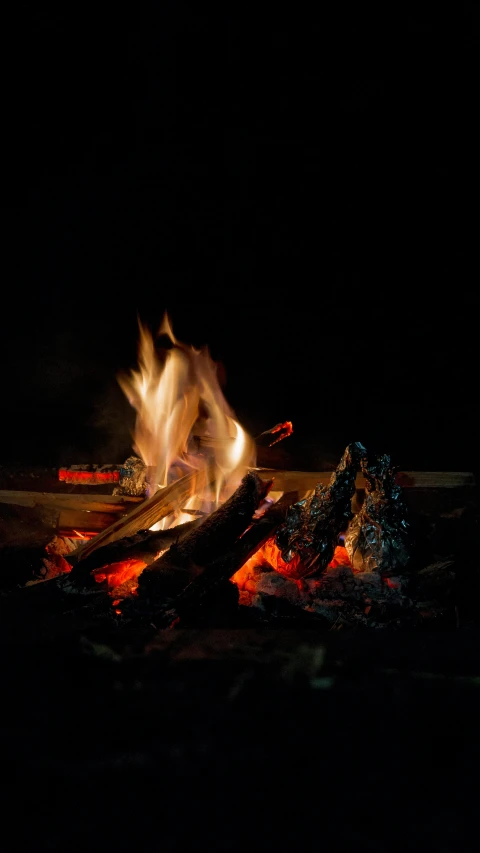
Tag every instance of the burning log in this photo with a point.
(142, 546)
(379, 537)
(202, 593)
(206, 543)
(148, 513)
(89, 475)
(131, 478)
(308, 537)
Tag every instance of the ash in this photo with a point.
(341, 596)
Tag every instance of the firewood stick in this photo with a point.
(144, 546)
(161, 504)
(82, 503)
(304, 481)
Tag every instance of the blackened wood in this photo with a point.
(148, 513)
(143, 545)
(215, 535)
(204, 589)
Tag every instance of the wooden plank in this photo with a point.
(86, 503)
(284, 481)
(73, 519)
(304, 481)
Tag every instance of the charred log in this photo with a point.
(161, 504)
(201, 599)
(144, 545)
(215, 536)
(308, 537)
(202, 591)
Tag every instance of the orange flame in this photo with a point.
(176, 397)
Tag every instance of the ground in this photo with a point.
(222, 739)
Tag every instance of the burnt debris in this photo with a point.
(309, 535)
(379, 536)
(132, 478)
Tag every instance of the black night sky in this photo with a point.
(300, 192)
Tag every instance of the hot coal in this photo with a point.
(144, 545)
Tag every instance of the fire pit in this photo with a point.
(196, 528)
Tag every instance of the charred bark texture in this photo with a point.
(143, 545)
(160, 505)
(201, 597)
(213, 537)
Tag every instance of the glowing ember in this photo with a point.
(178, 396)
(92, 478)
(55, 563)
(117, 574)
(269, 555)
(284, 431)
(340, 558)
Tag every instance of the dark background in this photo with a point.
(300, 192)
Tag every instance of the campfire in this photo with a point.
(196, 523)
